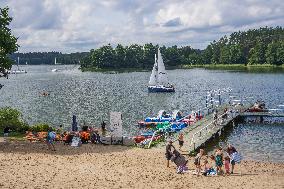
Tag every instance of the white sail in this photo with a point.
(162, 74)
(18, 63)
(153, 77)
(55, 61)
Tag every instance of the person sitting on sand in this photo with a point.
(50, 139)
(169, 152)
(208, 169)
(219, 160)
(197, 161)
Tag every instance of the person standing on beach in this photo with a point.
(50, 139)
(180, 139)
(197, 161)
(219, 160)
(6, 132)
(103, 127)
(169, 152)
(234, 156)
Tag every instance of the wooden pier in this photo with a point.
(198, 134)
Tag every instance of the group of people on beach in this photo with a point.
(219, 160)
(73, 138)
(205, 164)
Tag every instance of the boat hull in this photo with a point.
(18, 72)
(160, 89)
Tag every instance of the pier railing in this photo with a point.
(207, 128)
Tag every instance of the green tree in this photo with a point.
(236, 54)
(225, 55)
(280, 53)
(149, 55)
(207, 55)
(270, 54)
(257, 54)
(11, 118)
(8, 42)
(120, 56)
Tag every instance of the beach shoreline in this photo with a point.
(31, 165)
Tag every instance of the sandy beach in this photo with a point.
(31, 165)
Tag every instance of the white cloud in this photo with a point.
(72, 25)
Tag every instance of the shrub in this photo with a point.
(12, 118)
(40, 127)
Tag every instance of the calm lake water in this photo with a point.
(91, 96)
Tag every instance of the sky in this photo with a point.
(80, 25)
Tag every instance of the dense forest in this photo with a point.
(255, 46)
(33, 58)
(252, 47)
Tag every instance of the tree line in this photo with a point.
(255, 46)
(34, 58)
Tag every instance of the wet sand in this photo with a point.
(31, 165)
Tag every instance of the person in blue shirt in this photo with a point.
(50, 138)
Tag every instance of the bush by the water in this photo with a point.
(12, 118)
(39, 127)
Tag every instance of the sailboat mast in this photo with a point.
(18, 63)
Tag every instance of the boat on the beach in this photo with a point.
(159, 79)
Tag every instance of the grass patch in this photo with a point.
(239, 67)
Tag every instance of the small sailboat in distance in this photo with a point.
(55, 62)
(18, 71)
(159, 78)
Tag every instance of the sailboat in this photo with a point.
(18, 71)
(55, 70)
(159, 78)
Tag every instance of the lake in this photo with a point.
(92, 95)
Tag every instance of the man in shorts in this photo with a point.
(169, 152)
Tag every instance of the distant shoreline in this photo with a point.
(240, 67)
